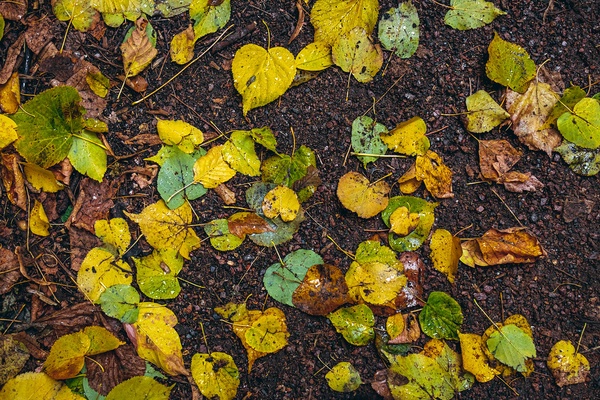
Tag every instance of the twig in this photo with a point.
(507, 207)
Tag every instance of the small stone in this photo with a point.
(480, 209)
(480, 296)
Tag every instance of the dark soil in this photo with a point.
(559, 294)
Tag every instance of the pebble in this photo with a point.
(480, 296)
(534, 217)
(480, 209)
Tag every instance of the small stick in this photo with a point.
(507, 207)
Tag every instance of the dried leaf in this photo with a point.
(495, 247)
(246, 223)
(411, 332)
(323, 289)
(437, 177)
(9, 270)
(568, 366)
(414, 270)
(10, 97)
(137, 49)
(14, 355)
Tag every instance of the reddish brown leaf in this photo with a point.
(117, 366)
(13, 10)
(93, 203)
(508, 246)
(246, 223)
(322, 291)
(11, 58)
(226, 194)
(575, 208)
(380, 384)
(9, 270)
(414, 269)
(82, 242)
(496, 157)
(411, 332)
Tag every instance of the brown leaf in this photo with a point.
(137, 83)
(13, 180)
(82, 242)
(148, 139)
(13, 10)
(380, 384)
(520, 182)
(137, 50)
(246, 223)
(93, 203)
(575, 208)
(411, 332)
(311, 179)
(114, 367)
(322, 290)
(414, 270)
(70, 319)
(39, 33)
(496, 157)
(33, 347)
(143, 176)
(9, 270)
(5, 231)
(11, 58)
(226, 194)
(508, 246)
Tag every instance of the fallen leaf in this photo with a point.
(14, 356)
(10, 97)
(220, 236)
(508, 246)
(496, 158)
(182, 46)
(8, 131)
(375, 282)
(426, 378)
(13, 181)
(582, 161)
(157, 274)
(41, 179)
(314, 56)
(226, 194)
(574, 208)
(323, 289)
(529, 112)
(581, 126)
(567, 365)
(181, 134)
(441, 316)
(484, 114)
(100, 270)
(570, 97)
(114, 232)
(168, 229)
(520, 182)
(287, 170)
(408, 137)
(268, 333)
(12, 54)
(355, 53)
(334, 18)
(445, 253)
(395, 325)
(471, 14)
(120, 302)
(139, 47)
(474, 358)
(209, 16)
(118, 365)
(354, 323)
(261, 76)
(403, 222)
(509, 64)
(521, 328)
(408, 183)
(88, 155)
(417, 237)
(343, 377)
(37, 385)
(240, 154)
(140, 387)
(216, 375)
(211, 170)
(9, 270)
(79, 13)
(175, 181)
(246, 223)
(38, 220)
(93, 203)
(437, 177)
(282, 202)
(357, 194)
(511, 346)
(366, 139)
(411, 332)
(414, 270)
(398, 30)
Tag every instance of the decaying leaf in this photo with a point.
(14, 355)
(323, 289)
(568, 366)
(220, 236)
(246, 223)
(354, 323)
(484, 114)
(10, 97)
(343, 377)
(411, 332)
(216, 375)
(471, 14)
(334, 18)
(79, 13)
(260, 75)
(445, 253)
(513, 245)
(437, 177)
(357, 194)
(355, 53)
(139, 48)
(403, 222)
(375, 282)
(509, 64)
(414, 270)
(441, 317)
(366, 138)
(398, 30)
(9, 270)
(582, 161)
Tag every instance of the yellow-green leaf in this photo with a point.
(157, 274)
(156, 339)
(211, 169)
(474, 358)
(100, 270)
(445, 253)
(268, 333)
(88, 156)
(240, 154)
(355, 53)
(471, 14)
(209, 16)
(509, 64)
(281, 201)
(568, 366)
(115, 11)
(181, 134)
(403, 222)
(343, 377)
(138, 49)
(38, 386)
(79, 12)
(101, 340)
(140, 387)
(38, 220)
(41, 178)
(395, 325)
(334, 18)
(484, 113)
(164, 228)
(315, 56)
(66, 356)
(216, 375)
(260, 75)
(8, 131)
(378, 282)
(357, 194)
(114, 232)
(408, 137)
(582, 126)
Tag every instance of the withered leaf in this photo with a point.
(13, 10)
(226, 194)
(411, 332)
(496, 157)
(11, 58)
(414, 270)
(520, 182)
(93, 203)
(70, 319)
(247, 223)
(13, 180)
(114, 367)
(322, 290)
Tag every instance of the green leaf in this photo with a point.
(582, 126)
(216, 375)
(512, 346)
(426, 379)
(88, 156)
(343, 377)
(484, 114)
(171, 8)
(570, 97)
(582, 161)
(239, 153)
(471, 14)
(334, 18)
(46, 125)
(355, 53)
(157, 274)
(175, 181)
(374, 251)
(441, 317)
(281, 280)
(417, 237)
(366, 138)
(354, 323)
(286, 170)
(80, 13)
(140, 388)
(399, 30)
(509, 64)
(264, 136)
(220, 237)
(209, 18)
(120, 302)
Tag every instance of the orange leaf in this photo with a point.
(322, 291)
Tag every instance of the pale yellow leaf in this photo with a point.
(354, 52)
(211, 169)
(334, 18)
(181, 134)
(408, 137)
(281, 201)
(315, 56)
(8, 131)
(403, 222)
(435, 174)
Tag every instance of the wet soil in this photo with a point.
(559, 294)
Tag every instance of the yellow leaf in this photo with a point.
(36, 385)
(315, 56)
(182, 46)
(138, 51)
(114, 232)
(99, 271)
(445, 253)
(334, 18)
(10, 95)
(168, 229)
(343, 377)
(8, 131)
(216, 375)
(281, 201)
(394, 325)
(66, 358)
(211, 169)
(260, 75)
(156, 339)
(41, 178)
(435, 174)
(484, 114)
(354, 52)
(507, 246)
(408, 183)
(403, 222)
(529, 112)
(378, 283)
(268, 333)
(474, 359)
(101, 340)
(181, 134)
(357, 194)
(38, 221)
(408, 137)
(568, 366)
